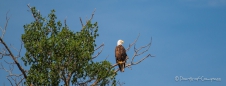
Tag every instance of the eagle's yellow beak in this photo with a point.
(122, 41)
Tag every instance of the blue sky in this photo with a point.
(188, 36)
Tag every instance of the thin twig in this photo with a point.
(4, 54)
(95, 83)
(20, 81)
(148, 45)
(143, 51)
(102, 47)
(9, 62)
(20, 48)
(10, 82)
(141, 60)
(65, 21)
(10, 71)
(86, 81)
(114, 65)
(99, 46)
(14, 48)
(106, 57)
(130, 45)
(36, 19)
(137, 50)
(6, 24)
(81, 21)
(120, 84)
(92, 14)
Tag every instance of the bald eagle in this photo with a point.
(120, 55)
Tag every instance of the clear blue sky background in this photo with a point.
(189, 36)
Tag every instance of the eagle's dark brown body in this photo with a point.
(120, 55)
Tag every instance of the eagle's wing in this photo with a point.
(123, 53)
(124, 56)
(120, 54)
(117, 56)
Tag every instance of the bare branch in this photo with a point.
(14, 48)
(144, 51)
(36, 19)
(137, 50)
(20, 49)
(102, 47)
(9, 62)
(17, 49)
(89, 19)
(114, 65)
(130, 45)
(14, 59)
(4, 54)
(65, 21)
(95, 83)
(13, 79)
(92, 14)
(106, 58)
(81, 21)
(10, 71)
(6, 24)
(142, 59)
(116, 70)
(20, 81)
(85, 83)
(7, 52)
(120, 83)
(10, 82)
(148, 45)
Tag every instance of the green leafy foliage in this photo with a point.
(56, 54)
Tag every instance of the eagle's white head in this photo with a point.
(120, 42)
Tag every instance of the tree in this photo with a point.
(56, 54)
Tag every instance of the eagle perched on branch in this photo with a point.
(120, 55)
